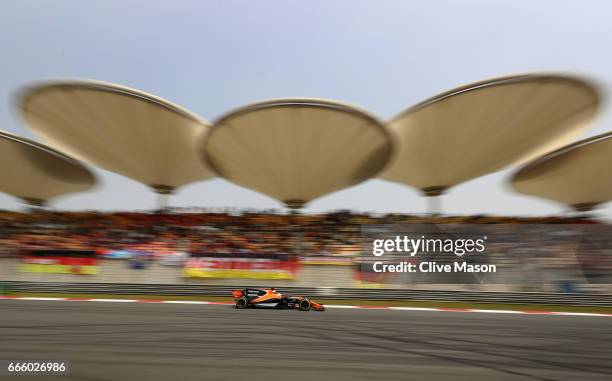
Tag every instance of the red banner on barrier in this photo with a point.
(60, 261)
(254, 268)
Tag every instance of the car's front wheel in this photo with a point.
(241, 303)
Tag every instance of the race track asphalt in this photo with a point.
(147, 341)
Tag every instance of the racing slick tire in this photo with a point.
(241, 303)
(304, 305)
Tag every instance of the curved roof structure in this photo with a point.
(36, 173)
(296, 150)
(122, 130)
(483, 127)
(578, 175)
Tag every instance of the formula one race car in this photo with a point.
(263, 297)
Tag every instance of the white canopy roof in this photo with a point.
(579, 175)
(483, 127)
(36, 173)
(122, 130)
(296, 150)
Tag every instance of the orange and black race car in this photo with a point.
(269, 297)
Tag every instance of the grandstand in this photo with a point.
(327, 248)
(296, 150)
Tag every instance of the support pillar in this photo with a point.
(163, 196)
(434, 199)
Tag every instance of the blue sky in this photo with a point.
(211, 56)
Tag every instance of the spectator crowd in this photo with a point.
(329, 235)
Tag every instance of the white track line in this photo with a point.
(339, 306)
(36, 298)
(469, 310)
(496, 311)
(413, 308)
(103, 300)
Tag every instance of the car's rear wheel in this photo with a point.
(241, 303)
(304, 305)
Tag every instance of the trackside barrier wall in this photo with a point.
(600, 300)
